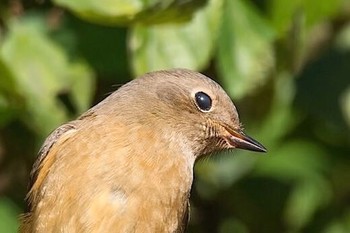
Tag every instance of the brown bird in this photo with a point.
(126, 165)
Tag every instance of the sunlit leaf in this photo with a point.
(186, 45)
(41, 70)
(123, 12)
(283, 13)
(245, 55)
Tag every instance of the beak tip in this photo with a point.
(257, 147)
(247, 143)
(262, 149)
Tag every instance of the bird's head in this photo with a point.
(187, 107)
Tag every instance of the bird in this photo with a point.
(126, 164)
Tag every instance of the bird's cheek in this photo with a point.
(228, 143)
(223, 139)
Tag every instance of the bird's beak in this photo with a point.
(239, 140)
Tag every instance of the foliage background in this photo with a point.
(286, 64)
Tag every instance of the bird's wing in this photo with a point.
(47, 156)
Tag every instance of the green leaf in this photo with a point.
(233, 225)
(245, 54)
(122, 12)
(8, 215)
(8, 94)
(107, 58)
(345, 104)
(343, 43)
(82, 82)
(283, 13)
(215, 174)
(305, 200)
(41, 70)
(300, 26)
(5, 112)
(302, 164)
(292, 161)
(281, 119)
(340, 224)
(186, 45)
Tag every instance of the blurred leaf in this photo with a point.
(6, 78)
(7, 90)
(82, 82)
(307, 197)
(345, 104)
(302, 163)
(5, 111)
(107, 58)
(233, 225)
(342, 41)
(187, 45)
(320, 95)
(41, 70)
(294, 160)
(8, 215)
(281, 118)
(220, 172)
(123, 12)
(300, 26)
(245, 54)
(339, 225)
(313, 11)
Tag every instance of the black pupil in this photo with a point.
(203, 101)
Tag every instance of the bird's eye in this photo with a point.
(203, 101)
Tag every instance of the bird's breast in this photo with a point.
(148, 199)
(150, 190)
